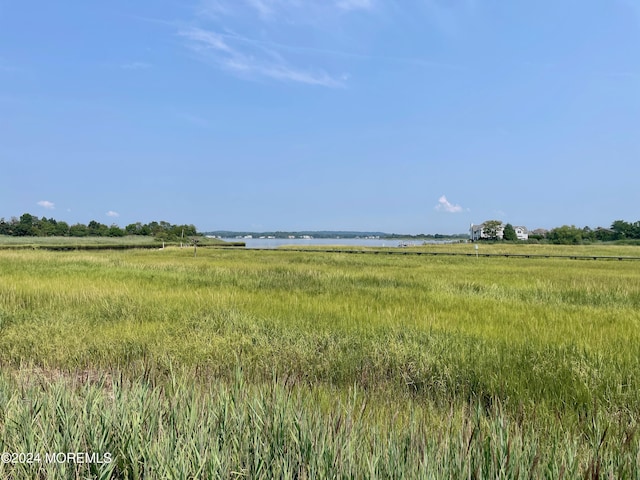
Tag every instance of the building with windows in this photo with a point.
(479, 232)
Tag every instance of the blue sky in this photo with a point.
(419, 116)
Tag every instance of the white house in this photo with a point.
(521, 232)
(476, 232)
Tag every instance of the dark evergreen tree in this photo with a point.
(509, 233)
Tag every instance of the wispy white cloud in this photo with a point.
(202, 40)
(244, 37)
(47, 204)
(244, 57)
(112, 214)
(269, 9)
(289, 73)
(445, 206)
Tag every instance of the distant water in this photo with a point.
(347, 242)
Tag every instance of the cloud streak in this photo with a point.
(112, 214)
(269, 9)
(243, 57)
(445, 206)
(47, 204)
(243, 38)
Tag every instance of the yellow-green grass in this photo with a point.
(494, 248)
(466, 362)
(37, 241)
(595, 249)
(129, 241)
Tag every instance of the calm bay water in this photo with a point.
(347, 242)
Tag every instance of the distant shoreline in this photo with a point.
(328, 234)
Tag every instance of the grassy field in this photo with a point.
(290, 364)
(499, 248)
(36, 242)
(100, 243)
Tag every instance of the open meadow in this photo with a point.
(288, 364)
(99, 243)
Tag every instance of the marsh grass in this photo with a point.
(35, 242)
(320, 364)
(99, 243)
(276, 429)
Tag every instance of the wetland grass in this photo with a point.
(314, 365)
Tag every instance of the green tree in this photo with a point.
(78, 230)
(509, 233)
(138, 229)
(565, 235)
(154, 228)
(47, 227)
(62, 229)
(97, 229)
(132, 228)
(25, 226)
(5, 227)
(603, 234)
(622, 229)
(115, 231)
(588, 234)
(491, 228)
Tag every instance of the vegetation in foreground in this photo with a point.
(293, 364)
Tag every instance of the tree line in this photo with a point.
(32, 226)
(620, 231)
